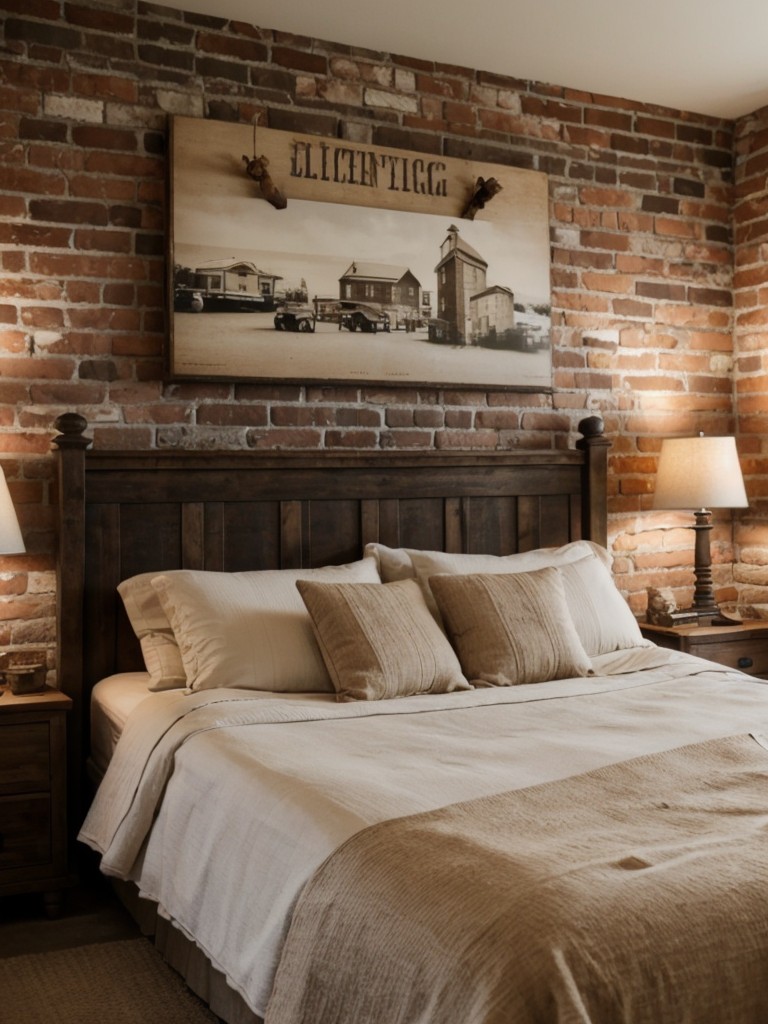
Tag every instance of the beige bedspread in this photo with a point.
(633, 894)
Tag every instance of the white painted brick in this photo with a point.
(568, 237)
(405, 81)
(355, 131)
(721, 364)
(347, 93)
(74, 109)
(129, 116)
(390, 100)
(306, 86)
(42, 339)
(341, 67)
(510, 101)
(565, 194)
(379, 74)
(41, 583)
(190, 105)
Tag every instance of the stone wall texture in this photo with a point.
(659, 234)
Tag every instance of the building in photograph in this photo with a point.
(461, 273)
(225, 287)
(395, 289)
(492, 313)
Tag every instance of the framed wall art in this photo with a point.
(299, 258)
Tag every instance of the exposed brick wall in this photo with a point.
(642, 261)
(750, 286)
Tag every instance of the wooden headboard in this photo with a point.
(125, 512)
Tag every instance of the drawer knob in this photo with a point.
(745, 663)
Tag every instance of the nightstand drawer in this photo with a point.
(25, 757)
(33, 795)
(743, 647)
(25, 831)
(748, 656)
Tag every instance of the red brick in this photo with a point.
(406, 439)
(286, 438)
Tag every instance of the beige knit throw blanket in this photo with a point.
(635, 893)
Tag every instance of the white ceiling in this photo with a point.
(702, 56)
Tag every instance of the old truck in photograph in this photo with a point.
(359, 316)
(295, 316)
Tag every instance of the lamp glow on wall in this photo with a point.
(11, 541)
(700, 473)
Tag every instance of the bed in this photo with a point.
(410, 759)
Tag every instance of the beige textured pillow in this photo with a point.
(511, 628)
(150, 624)
(380, 642)
(250, 629)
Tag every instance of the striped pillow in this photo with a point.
(380, 641)
(511, 628)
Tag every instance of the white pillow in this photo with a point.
(412, 563)
(603, 619)
(250, 629)
(150, 624)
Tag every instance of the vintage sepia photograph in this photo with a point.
(340, 289)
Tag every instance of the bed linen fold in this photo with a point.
(634, 894)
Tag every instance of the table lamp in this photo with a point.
(700, 473)
(11, 541)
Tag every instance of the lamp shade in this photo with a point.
(11, 541)
(699, 473)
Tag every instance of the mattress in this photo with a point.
(112, 701)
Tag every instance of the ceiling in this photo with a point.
(701, 56)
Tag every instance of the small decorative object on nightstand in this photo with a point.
(663, 611)
(742, 645)
(22, 672)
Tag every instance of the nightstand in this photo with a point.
(33, 795)
(743, 646)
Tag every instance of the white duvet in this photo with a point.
(220, 804)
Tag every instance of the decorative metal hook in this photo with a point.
(256, 168)
(483, 192)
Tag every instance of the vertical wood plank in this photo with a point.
(193, 536)
(291, 535)
(456, 513)
(575, 527)
(389, 522)
(528, 522)
(369, 521)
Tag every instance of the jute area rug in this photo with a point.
(125, 982)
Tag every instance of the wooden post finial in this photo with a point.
(72, 427)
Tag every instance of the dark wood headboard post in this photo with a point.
(71, 444)
(594, 505)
